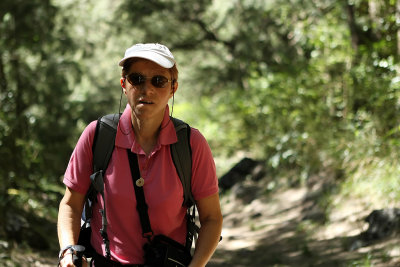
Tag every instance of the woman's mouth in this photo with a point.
(145, 102)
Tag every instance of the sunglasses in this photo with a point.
(137, 79)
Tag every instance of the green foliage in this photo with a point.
(366, 262)
(305, 85)
(34, 118)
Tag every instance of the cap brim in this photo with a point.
(152, 56)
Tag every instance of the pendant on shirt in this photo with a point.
(140, 182)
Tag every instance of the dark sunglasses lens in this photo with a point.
(159, 81)
(136, 79)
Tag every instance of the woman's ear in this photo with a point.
(122, 81)
(174, 87)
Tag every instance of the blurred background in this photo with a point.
(298, 99)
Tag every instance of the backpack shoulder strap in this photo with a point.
(181, 154)
(182, 157)
(104, 140)
(103, 146)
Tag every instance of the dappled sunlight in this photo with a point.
(305, 93)
(274, 229)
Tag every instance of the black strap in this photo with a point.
(181, 154)
(102, 148)
(104, 140)
(141, 202)
(98, 184)
(182, 157)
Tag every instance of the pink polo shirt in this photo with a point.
(162, 188)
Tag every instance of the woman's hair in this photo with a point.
(128, 63)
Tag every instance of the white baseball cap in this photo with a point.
(157, 53)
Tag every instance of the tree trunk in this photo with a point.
(3, 79)
(398, 30)
(352, 26)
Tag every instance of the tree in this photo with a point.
(287, 75)
(35, 122)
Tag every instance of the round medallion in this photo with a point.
(140, 182)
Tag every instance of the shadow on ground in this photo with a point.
(287, 228)
(280, 248)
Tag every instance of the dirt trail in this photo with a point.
(272, 231)
(283, 228)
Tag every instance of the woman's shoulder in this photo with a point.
(196, 135)
(197, 141)
(90, 129)
(87, 135)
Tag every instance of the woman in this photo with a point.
(149, 80)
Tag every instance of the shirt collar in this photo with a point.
(125, 137)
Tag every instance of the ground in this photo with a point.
(285, 229)
(280, 228)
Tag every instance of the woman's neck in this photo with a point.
(146, 132)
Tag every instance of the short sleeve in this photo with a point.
(77, 174)
(204, 177)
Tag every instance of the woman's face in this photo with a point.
(147, 100)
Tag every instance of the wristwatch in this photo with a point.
(65, 249)
(73, 248)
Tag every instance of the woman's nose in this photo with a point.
(147, 87)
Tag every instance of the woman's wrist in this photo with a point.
(71, 250)
(64, 251)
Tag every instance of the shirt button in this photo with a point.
(140, 182)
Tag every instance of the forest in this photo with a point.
(307, 87)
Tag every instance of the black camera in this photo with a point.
(163, 251)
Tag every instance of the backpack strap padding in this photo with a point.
(103, 146)
(182, 157)
(104, 141)
(181, 154)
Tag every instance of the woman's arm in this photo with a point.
(69, 221)
(210, 230)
